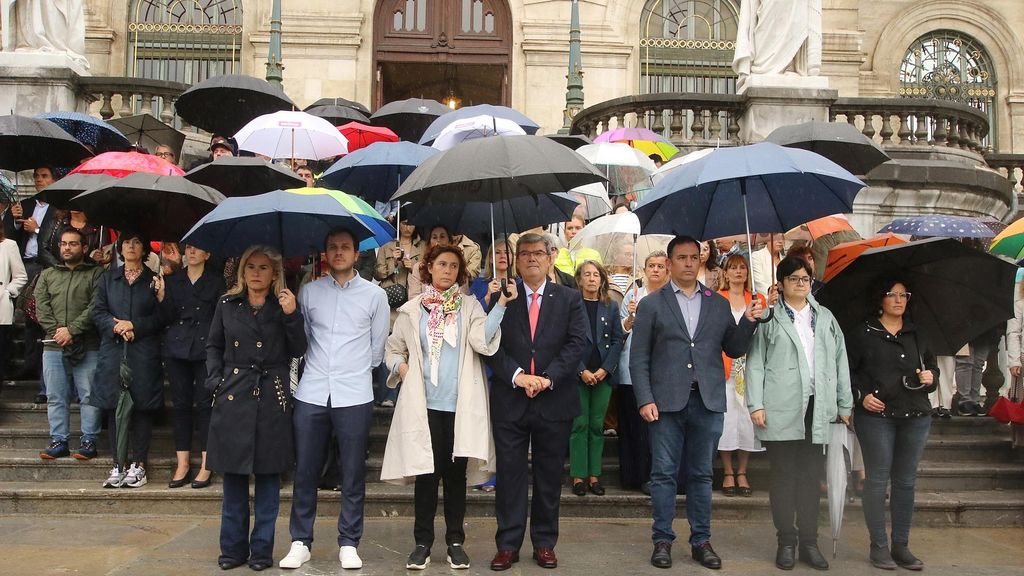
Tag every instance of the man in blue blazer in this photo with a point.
(534, 400)
(678, 376)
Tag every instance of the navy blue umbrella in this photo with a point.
(295, 224)
(435, 128)
(478, 219)
(89, 130)
(939, 225)
(375, 172)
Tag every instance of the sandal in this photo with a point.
(744, 491)
(729, 490)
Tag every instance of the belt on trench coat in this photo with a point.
(263, 370)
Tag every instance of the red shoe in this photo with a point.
(504, 559)
(545, 557)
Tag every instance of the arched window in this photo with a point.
(687, 46)
(950, 65)
(183, 40)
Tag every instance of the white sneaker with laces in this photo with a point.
(350, 559)
(136, 477)
(297, 556)
(116, 478)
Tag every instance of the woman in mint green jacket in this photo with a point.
(797, 384)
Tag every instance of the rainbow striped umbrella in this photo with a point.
(382, 231)
(1010, 242)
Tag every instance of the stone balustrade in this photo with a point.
(915, 122)
(1011, 166)
(124, 96)
(688, 120)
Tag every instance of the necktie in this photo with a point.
(534, 314)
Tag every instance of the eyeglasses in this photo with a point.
(799, 279)
(70, 244)
(165, 154)
(535, 254)
(898, 295)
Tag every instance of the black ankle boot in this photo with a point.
(902, 556)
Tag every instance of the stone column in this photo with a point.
(774, 101)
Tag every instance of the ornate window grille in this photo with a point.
(687, 46)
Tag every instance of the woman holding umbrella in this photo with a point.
(256, 331)
(396, 259)
(892, 372)
(499, 261)
(439, 235)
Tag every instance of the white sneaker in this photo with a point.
(136, 477)
(297, 556)
(350, 559)
(116, 478)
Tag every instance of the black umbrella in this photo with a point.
(340, 102)
(571, 141)
(337, 115)
(27, 143)
(144, 130)
(409, 118)
(840, 142)
(958, 293)
(62, 191)
(243, 176)
(161, 207)
(123, 412)
(474, 218)
(223, 104)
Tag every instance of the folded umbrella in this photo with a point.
(121, 164)
(939, 225)
(361, 135)
(1007, 411)
(838, 462)
(102, 136)
(291, 135)
(375, 172)
(223, 104)
(840, 142)
(383, 232)
(62, 191)
(439, 124)
(123, 410)
(27, 143)
(244, 176)
(842, 255)
(409, 118)
(147, 131)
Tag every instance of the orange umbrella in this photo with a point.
(820, 227)
(842, 255)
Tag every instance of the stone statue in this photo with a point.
(48, 26)
(778, 37)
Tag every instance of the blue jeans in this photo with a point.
(892, 448)
(235, 542)
(56, 371)
(697, 430)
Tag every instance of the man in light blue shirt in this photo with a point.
(347, 323)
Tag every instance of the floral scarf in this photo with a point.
(442, 309)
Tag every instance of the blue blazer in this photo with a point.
(610, 339)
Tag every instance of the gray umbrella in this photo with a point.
(840, 142)
(244, 176)
(123, 413)
(840, 454)
(62, 191)
(144, 130)
(223, 104)
(409, 118)
(27, 143)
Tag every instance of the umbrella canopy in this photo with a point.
(616, 238)
(571, 141)
(382, 231)
(223, 104)
(642, 139)
(958, 293)
(841, 255)
(102, 136)
(439, 124)
(146, 131)
(62, 191)
(121, 164)
(27, 143)
(594, 200)
(837, 463)
(678, 161)
(626, 168)
(1010, 242)
(291, 135)
(476, 127)
(296, 224)
(623, 223)
(496, 169)
(161, 207)
(244, 176)
(938, 225)
(8, 191)
(337, 115)
(820, 227)
(840, 142)
(409, 118)
(376, 172)
(352, 104)
(361, 135)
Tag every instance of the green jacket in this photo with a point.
(64, 297)
(778, 378)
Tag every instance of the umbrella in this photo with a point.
(161, 207)
(938, 225)
(382, 231)
(8, 191)
(841, 255)
(123, 412)
(476, 127)
(1010, 242)
(958, 293)
(27, 143)
(352, 104)
(121, 164)
(435, 128)
(296, 224)
(608, 234)
(626, 168)
(376, 172)
(820, 227)
(678, 161)
(840, 142)
(594, 200)
(409, 118)
(571, 141)
(291, 135)
(642, 139)
(840, 456)
(243, 176)
(1007, 411)
(361, 135)
(102, 136)
(148, 132)
(62, 191)
(223, 104)
(337, 115)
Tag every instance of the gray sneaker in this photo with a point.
(136, 477)
(116, 478)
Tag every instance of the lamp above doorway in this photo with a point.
(451, 100)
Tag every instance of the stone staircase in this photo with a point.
(970, 476)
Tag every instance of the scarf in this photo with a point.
(442, 312)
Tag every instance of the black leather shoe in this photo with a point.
(229, 563)
(662, 556)
(810, 555)
(785, 556)
(705, 554)
(260, 565)
(596, 489)
(902, 556)
(881, 557)
(645, 488)
(181, 481)
(579, 488)
(197, 484)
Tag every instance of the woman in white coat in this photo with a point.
(12, 279)
(441, 428)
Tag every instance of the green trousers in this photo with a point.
(586, 443)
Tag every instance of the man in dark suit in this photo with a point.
(675, 361)
(534, 398)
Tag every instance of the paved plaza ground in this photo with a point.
(174, 545)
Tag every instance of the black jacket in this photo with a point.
(187, 310)
(610, 340)
(47, 240)
(879, 363)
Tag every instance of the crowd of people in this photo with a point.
(499, 364)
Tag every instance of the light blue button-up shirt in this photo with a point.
(444, 395)
(689, 306)
(347, 326)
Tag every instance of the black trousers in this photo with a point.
(140, 434)
(453, 474)
(32, 366)
(796, 470)
(634, 442)
(191, 401)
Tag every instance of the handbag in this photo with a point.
(397, 295)
(26, 301)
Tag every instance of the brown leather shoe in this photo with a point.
(504, 559)
(545, 557)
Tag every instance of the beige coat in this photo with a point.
(408, 452)
(12, 279)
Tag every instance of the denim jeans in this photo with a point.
(969, 370)
(892, 448)
(235, 542)
(697, 430)
(56, 372)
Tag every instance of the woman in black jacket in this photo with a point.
(256, 331)
(187, 301)
(892, 373)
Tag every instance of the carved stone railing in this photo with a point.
(912, 122)
(125, 96)
(1010, 165)
(688, 120)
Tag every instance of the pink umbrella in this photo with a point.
(621, 134)
(121, 164)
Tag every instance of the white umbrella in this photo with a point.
(609, 236)
(292, 135)
(840, 451)
(593, 198)
(679, 161)
(626, 168)
(476, 127)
